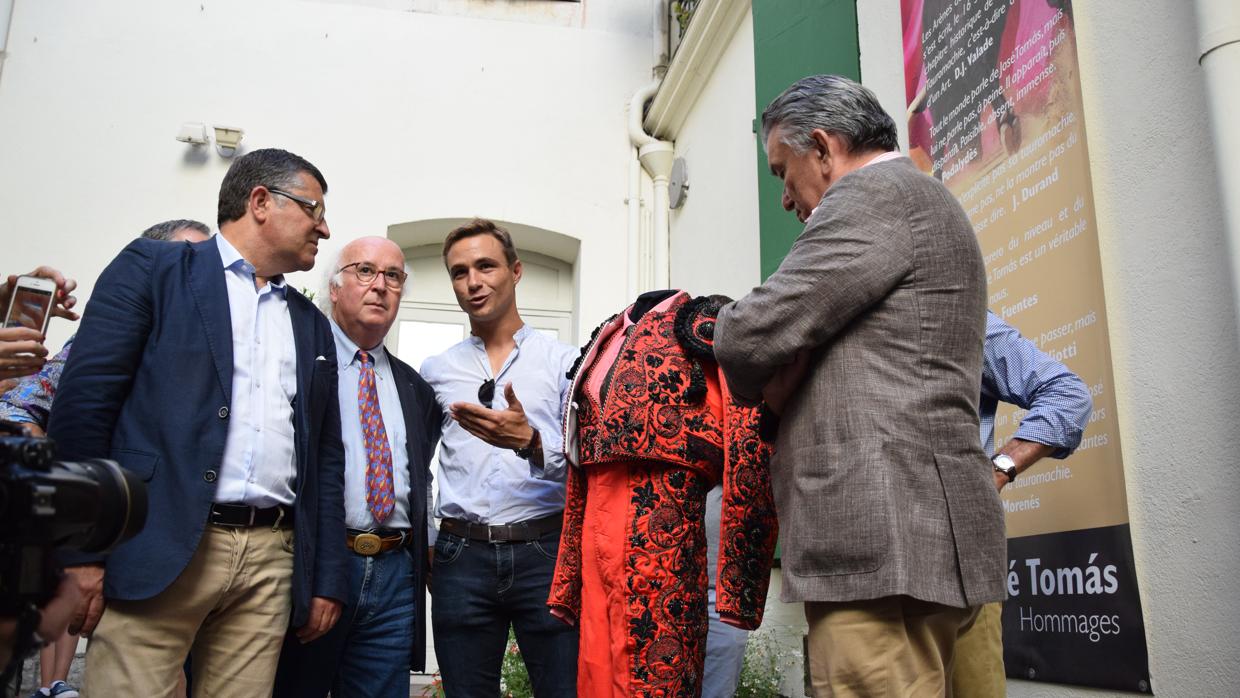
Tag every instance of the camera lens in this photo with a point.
(122, 507)
(101, 504)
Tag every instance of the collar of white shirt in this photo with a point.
(346, 348)
(519, 336)
(233, 259)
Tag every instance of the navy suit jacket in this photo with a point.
(149, 384)
(423, 422)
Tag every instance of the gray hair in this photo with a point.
(334, 278)
(165, 230)
(834, 104)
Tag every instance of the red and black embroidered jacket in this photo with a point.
(667, 402)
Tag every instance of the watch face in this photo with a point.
(1006, 465)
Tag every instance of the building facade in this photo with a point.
(564, 120)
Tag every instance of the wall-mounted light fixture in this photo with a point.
(227, 140)
(193, 133)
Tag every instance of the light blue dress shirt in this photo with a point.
(1015, 371)
(259, 465)
(356, 511)
(479, 482)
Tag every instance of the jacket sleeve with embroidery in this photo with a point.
(748, 528)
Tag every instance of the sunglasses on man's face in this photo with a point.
(486, 393)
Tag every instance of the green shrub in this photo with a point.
(514, 680)
(764, 663)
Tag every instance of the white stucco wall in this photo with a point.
(882, 59)
(714, 238)
(1171, 310)
(411, 115)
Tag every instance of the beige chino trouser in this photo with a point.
(880, 648)
(979, 657)
(229, 607)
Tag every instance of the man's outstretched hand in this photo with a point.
(506, 428)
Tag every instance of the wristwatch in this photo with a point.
(527, 451)
(1005, 464)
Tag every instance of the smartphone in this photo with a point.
(31, 304)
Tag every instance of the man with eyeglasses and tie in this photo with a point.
(202, 371)
(390, 424)
(501, 479)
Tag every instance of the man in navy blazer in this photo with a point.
(198, 368)
(390, 423)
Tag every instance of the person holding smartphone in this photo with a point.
(21, 338)
(29, 400)
(30, 304)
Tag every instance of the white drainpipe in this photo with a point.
(656, 157)
(1218, 27)
(659, 30)
(635, 221)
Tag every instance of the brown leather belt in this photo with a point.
(519, 532)
(378, 541)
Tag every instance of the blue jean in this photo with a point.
(367, 652)
(725, 653)
(477, 590)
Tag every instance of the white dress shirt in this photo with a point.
(356, 511)
(259, 465)
(481, 483)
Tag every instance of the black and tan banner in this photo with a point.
(995, 112)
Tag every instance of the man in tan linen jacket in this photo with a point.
(869, 338)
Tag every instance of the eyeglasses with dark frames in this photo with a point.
(486, 393)
(315, 209)
(366, 273)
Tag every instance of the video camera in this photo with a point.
(45, 504)
(48, 505)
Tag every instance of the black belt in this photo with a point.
(246, 516)
(519, 532)
(379, 540)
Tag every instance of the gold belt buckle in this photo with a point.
(367, 544)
